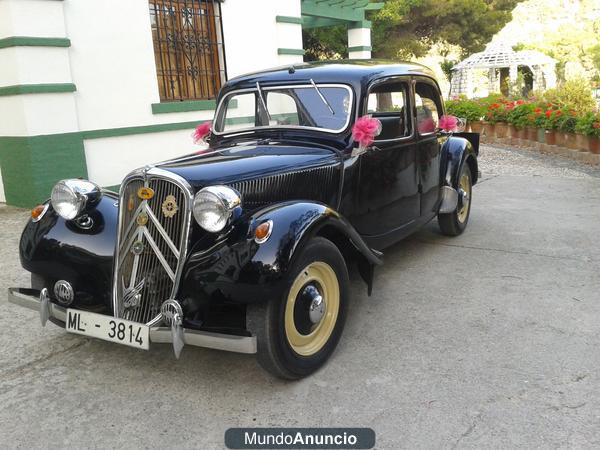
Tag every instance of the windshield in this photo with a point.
(323, 106)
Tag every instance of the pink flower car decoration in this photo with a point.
(365, 130)
(449, 123)
(201, 132)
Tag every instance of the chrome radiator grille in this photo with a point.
(153, 236)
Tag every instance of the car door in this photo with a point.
(428, 109)
(388, 196)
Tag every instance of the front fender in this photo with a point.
(241, 271)
(57, 249)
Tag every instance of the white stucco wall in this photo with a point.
(110, 159)
(39, 18)
(114, 69)
(33, 65)
(252, 36)
(111, 62)
(35, 114)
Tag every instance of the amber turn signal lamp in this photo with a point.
(38, 212)
(263, 231)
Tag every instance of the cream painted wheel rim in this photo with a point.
(323, 277)
(465, 186)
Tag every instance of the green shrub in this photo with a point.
(465, 109)
(575, 95)
(568, 120)
(588, 124)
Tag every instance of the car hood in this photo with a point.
(241, 163)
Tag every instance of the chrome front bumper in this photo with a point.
(30, 298)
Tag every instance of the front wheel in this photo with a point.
(454, 223)
(299, 331)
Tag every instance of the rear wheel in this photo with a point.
(299, 331)
(454, 223)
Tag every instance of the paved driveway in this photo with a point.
(490, 339)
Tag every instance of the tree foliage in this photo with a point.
(408, 28)
(567, 30)
(325, 43)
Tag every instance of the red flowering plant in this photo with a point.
(521, 115)
(553, 118)
(498, 111)
(588, 124)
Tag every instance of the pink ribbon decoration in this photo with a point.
(449, 123)
(201, 132)
(364, 131)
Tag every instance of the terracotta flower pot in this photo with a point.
(531, 134)
(522, 133)
(487, 129)
(476, 127)
(550, 137)
(594, 144)
(541, 135)
(511, 130)
(571, 141)
(560, 138)
(501, 130)
(582, 142)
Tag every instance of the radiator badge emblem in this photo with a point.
(142, 219)
(169, 206)
(145, 193)
(132, 295)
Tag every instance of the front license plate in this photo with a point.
(108, 328)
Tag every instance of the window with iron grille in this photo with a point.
(188, 48)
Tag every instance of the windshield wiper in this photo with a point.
(322, 96)
(262, 101)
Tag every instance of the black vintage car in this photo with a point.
(246, 245)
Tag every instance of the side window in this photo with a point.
(388, 103)
(239, 112)
(428, 112)
(282, 108)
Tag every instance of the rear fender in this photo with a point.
(457, 151)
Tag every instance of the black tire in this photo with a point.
(454, 223)
(267, 320)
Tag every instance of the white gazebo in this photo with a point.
(495, 58)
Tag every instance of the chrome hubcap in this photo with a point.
(316, 310)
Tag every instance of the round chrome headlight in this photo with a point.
(214, 206)
(70, 197)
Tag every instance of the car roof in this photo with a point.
(357, 72)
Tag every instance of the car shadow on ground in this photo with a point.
(158, 364)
